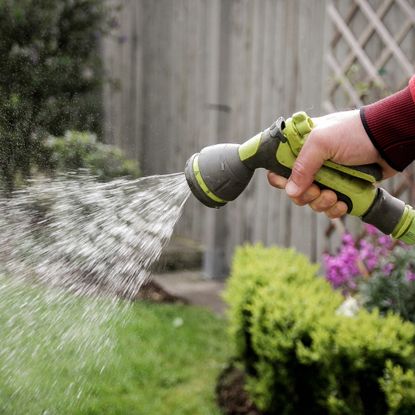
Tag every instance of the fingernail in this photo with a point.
(291, 188)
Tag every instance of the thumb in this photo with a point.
(309, 161)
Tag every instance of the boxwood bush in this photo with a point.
(301, 356)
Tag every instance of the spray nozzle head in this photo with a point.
(197, 184)
(217, 175)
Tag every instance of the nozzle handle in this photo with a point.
(220, 173)
(355, 186)
(276, 149)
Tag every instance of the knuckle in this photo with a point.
(325, 201)
(318, 138)
(312, 193)
(337, 211)
(316, 208)
(328, 198)
(299, 201)
(315, 205)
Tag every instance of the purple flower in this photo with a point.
(342, 269)
(374, 254)
(370, 229)
(387, 268)
(410, 276)
(347, 239)
(385, 243)
(369, 255)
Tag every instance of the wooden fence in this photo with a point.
(189, 73)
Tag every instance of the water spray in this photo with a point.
(221, 172)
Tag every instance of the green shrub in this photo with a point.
(80, 150)
(399, 387)
(50, 76)
(301, 356)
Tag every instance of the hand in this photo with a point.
(339, 137)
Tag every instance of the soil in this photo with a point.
(231, 395)
(151, 291)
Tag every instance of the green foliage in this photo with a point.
(399, 387)
(301, 356)
(391, 286)
(80, 150)
(49, 76)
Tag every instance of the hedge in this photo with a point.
(300, 355)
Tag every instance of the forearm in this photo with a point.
(390, 124)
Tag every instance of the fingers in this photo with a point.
(277, 181)
(324, 201)
(312, 193)
(338, 210)
(319, 200)
(308, 162)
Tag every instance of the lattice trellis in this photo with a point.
(370, 55)
(372, 50)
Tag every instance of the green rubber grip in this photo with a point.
(297, 129)
(354, 186)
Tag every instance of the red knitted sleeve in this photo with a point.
(390, 124)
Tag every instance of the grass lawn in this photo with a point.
(171, 356)
(165, 360)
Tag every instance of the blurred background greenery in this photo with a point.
(51, 80)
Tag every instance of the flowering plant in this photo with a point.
(377, 269)
(358, 258)
(395, 290)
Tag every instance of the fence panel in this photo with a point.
(195, 72)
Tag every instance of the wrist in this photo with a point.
(389, 123)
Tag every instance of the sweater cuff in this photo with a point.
(390, 124)
(412, 88)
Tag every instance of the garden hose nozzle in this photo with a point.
(220, 173)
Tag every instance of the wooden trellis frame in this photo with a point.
(358, 28)
(354, 42)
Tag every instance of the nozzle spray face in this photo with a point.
(197, 184)
(217, 175)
